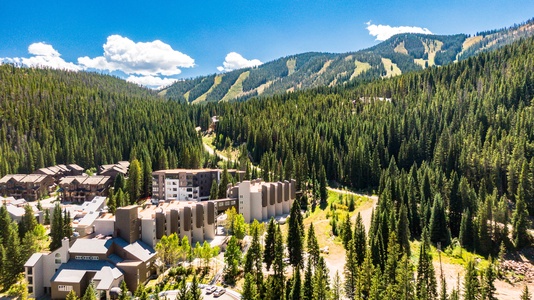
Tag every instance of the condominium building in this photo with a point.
(183, 184)
(258, 200)
(30, 187)
(83, 188)
(59, 171)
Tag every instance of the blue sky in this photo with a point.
(195, 37)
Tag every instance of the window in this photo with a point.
(30, 280)
(30, 289)
(58, 258)
(29, 270)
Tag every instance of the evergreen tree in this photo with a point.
(119, 183)
(360, 244)
(253, 258)
(525, 295)
(403, 229)
(12, 263)
(57, 228)
(111, 203)
(268, 253)
(147, 177)
(346, 231)
(312, 247)
(487, 289)
(223, 184)
(321, 286)
(296, 288)
(72, 295)
(124, 291)
(214, 191)
(135, 181)
(295, 235)
(323, 193)
(455, 206)
(307, 293)
(250, 291)
(194, 290)
(426, 287)
(471, 284)
(90, 293)
(439, 232)
(232, 257)
(467, 231)
(28, 221)
(337, 287)
(350, 271)
(520, 224)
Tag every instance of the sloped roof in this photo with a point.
(90, 246)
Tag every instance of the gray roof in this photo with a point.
(73, 276)
(106, 276)
(90, 246)
(33, 259)
(138, 249)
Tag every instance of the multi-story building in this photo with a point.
(113, 170)
(28, 186)
(258, 200)
(183, 184)
(59, 171)
(83, 188)
(187, 184)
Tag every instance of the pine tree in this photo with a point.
(28, 221)
(135, 181)
(232, 257)
(337, 287)
(439, 232)
(12, 263)
(72, 295)
(90, 293)
(360, 240)
(296, 288)
(295, 235)
(466, 231)
(520, 224)
(147, 177)
(253, 258)
(487, 290)
(525, 295)
(250, 291)
(214, 191)
(426, 287)
(471, 284)
(350, 271)
(194, 290)
(307, 293)
(321, 286)
(346, 231)
(268, 253)
(223, 184)
(312, 247)
(323, 194)
(57, 229)
(403, 229)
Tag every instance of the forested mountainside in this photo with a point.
(399, 54)
(51, 116)
(455, 140)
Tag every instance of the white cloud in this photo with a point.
(152, 82)
(384, 32)
(44, 56)
(235, 61)
(148, 59)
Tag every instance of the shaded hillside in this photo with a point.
(50, 116)
(399, 54)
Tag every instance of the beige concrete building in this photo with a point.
(30, 187)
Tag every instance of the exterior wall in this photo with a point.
(35, 278)
(127, 224)
(209, 221)
(49, 262)
(256, 211)
(197, 181)
(26, 188)
(78, 287)
(148, 232)
(104, 227)
(244, 200)
(185, 223)
(171, 187)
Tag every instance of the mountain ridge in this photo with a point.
(399, 54)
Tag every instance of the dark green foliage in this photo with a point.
(360, 240)
(471, 283)
(223, 184)
(467, 236)
(135, 181)
(295, 235)
(426, 287)
(233, 258)
(487, 289)
(520, 224)
(312, 247)
(250, 291)
(439, 232)
(84, 118)
(296, 288)
(268, 253)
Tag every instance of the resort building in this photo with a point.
(83, 188)
(30, 187)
